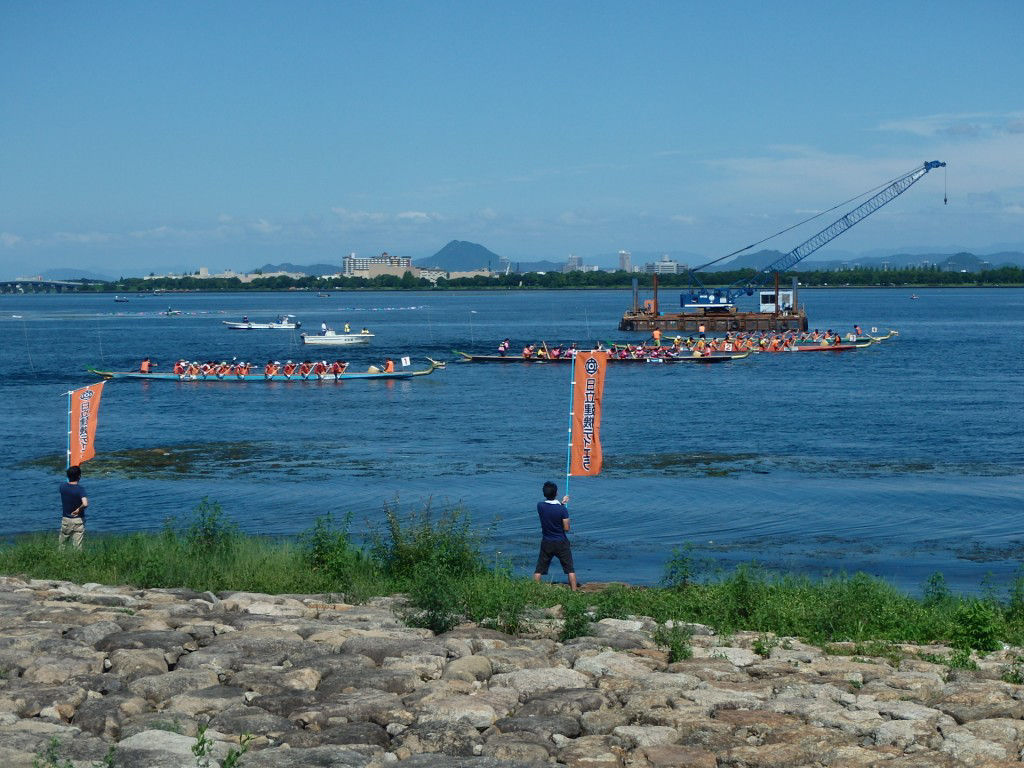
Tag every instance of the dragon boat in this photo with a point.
(371, 374)
(715, 357)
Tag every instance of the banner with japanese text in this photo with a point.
(585, 438)
(83, 413)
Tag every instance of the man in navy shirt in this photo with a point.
(73, 503)
(554, 524)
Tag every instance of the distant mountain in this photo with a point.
(945, 261)
(74, 274)
(461, 256)
(314, 270)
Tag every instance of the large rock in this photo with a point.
(611, 663)
(530, 681)
(445, 737)
(133, 664)
(519, 747)
(360, 678)
(161, 749)
(160, 688)
(92, 633)
(544, 726)
(241, 719)
(206, 701)
(50, 670)
(460, 709)
(134, 640)
(347, 733)
(981, 701)
(634, 736)
(311, 757)
(469, 668)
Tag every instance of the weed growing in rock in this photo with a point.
(1015, 672)
(50, 756)
(675, 640)
(328, 550)
(976, 625)
(210, 530)
(435, 601)
(575, 620)
(231, 760)
(446, 543)
(961, 659)
(764, 644)
(203, 748)
(679, 570)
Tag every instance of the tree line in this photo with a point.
(860, 277)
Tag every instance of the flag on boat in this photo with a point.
(406, 361)
(585, 429)
(83, 413)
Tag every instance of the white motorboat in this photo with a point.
(330, 338)
(283, 323)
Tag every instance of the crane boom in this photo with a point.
(836, 228)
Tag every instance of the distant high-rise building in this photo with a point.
(625, 261)
(665, 267)
(355, 266)
(573, 264)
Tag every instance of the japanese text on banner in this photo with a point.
(84, 413)
(588, 386)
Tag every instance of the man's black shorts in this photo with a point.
(559, 549)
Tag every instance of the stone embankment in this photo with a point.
(318, 683)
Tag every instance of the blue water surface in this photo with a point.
(900, 460)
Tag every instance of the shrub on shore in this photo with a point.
(437, 560)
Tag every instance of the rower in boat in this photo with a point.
(242, 369)
(389, 366)
(338, 367)
(289, 369)
(305, 368)
(320, 368)
(504, 346)
(527, 352)
(270, 369)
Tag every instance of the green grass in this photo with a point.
(438, 561)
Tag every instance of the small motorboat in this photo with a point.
(330, 338)
(283, 323)
(914, 296)
(121, 299)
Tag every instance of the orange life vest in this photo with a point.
(144, 366)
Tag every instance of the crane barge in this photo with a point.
(716, 310)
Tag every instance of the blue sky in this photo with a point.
(146, 136)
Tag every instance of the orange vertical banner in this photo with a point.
(588, 386)
(83, 413)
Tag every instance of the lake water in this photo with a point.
(900, 460)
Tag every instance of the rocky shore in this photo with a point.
(316, 682)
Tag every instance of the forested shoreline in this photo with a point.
(848, 278)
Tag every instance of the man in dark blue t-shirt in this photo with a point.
(554, 524)
(73, 503)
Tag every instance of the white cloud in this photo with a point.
(264, 227)
(8, 240)
(359, 217)
(681, 218)
(963, 125)
(416, 216)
